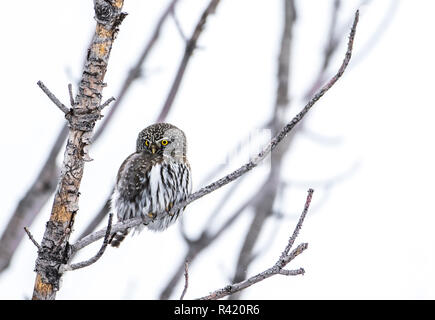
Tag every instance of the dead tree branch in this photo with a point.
(105, 104)
(53, 98)
(277, 268)
(71, 95)
(81, 120)
(31, 238)
(186, 279)
(178, 25)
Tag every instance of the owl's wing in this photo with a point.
(133, 175)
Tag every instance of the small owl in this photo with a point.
(153, 179)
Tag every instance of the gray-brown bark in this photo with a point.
(278, 268)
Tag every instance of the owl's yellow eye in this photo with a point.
(164, 142)
(147, 143)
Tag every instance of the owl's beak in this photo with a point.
(153, 148)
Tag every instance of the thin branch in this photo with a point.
(378, 32)
(53, 98)
(232, 151)
(186, 279)
(121, 226)
(298, 227)
(99, 253)
(178, 25)
(71, 97)
(278, 268)
(218, 208)
(108, 101)
(95, 236)
(32, 239)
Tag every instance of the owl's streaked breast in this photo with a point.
(150, 184)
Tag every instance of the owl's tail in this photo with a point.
(118, 237)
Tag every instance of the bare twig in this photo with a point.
(178, 25)
(186, 279)
(248, 166)
(277, 268)
(108, 101)
(190, 47)
(31, 238)
(71, 97)
(95, 236)
(202, 242)
(99, 253)
(53, 98)
(333, 40)
(292, 239)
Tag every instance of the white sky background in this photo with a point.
(370, 237)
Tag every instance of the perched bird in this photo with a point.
(153, 179)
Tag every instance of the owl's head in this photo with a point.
(162, 139)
